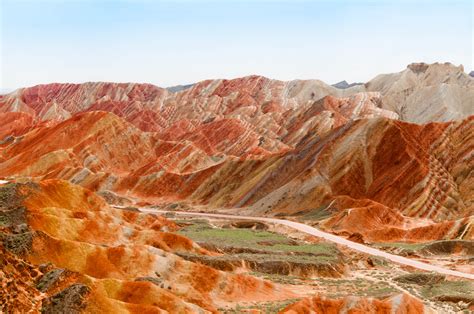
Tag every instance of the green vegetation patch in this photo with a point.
(401, 245)
(12, 211)
(442, 247)
(71, 300)
(447, 247)
(450, 291)
(201, 231)
(278, 278)
(48, 279)
(380, 290)
(18, 244)
(356, 286)
(264, 308)
(420, 279)
(315, 214)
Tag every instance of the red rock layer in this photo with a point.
(14, 124)
(256, 108)
(134, 102)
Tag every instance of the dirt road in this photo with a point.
(330, 237)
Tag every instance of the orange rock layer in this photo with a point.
(399, 304)
(64, 241)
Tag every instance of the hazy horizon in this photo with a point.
(168, 43)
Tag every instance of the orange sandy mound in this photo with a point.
(14, 124)
(107, 259)
(399, 304)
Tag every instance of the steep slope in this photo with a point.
(258, 106)
(136, 103)
(79, 142)
(14, 124)
(401, 181)
(387, 180)
(421, 93)
(82, 141)
(427, 92)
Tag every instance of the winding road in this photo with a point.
(330, 237)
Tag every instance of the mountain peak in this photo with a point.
(418, 67)
(421, 67)
(343, 84)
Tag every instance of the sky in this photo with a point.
(168, 43)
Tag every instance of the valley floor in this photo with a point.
(310, 264)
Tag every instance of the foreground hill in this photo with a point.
(64, 249)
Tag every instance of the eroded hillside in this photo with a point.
(388, 163)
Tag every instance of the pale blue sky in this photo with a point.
(178, 42)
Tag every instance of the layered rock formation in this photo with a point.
(421, 93)
(350, 159)
(64, 249)
(286, 148)
(424, 93)
(401, 181)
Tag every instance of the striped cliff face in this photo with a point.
(134, 102)
(379, 177)
(208, 132)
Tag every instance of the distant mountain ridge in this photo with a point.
(427, 92)
(178, 88)
(344, 84)
(421, 93)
